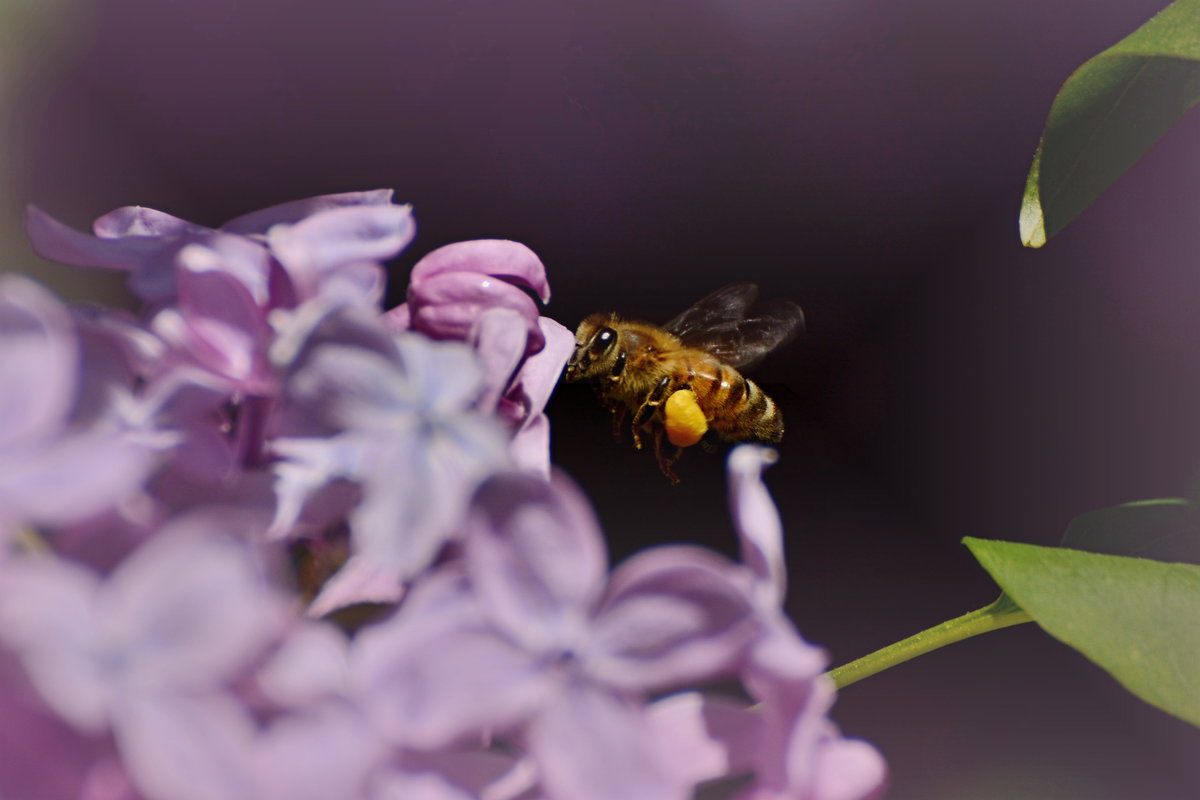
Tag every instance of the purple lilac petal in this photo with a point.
(150, 260)
(295, 210)
(48, 618)
(312, 664)
(237, 256)
(756, 519)
(416, 490)
(530, 447)
(362, 283)
(188, 746)
(536, 558)
(323, 753)
(489, 773)
(541, 372)
(39, 361)
(72, 478)
(592, 745)
(330, 239)
(359, 580)
(186, 610)
(55, 241)
(447, 305)
(499, 337)
(396, 784)
(435, 673)
(500, 258)
(411, 439)
(138, 221)
(683, 723)
(398, 319)
(43, 757)
(848, 769)
(219, 325)
(672, 615)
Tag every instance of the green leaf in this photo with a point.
(1107, 114)
(1165, 530)
(1138, 619)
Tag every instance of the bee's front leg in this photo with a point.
(653, 400)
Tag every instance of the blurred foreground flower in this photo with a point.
(185, 501)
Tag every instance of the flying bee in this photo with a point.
(681, 379)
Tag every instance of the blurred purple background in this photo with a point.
(865, 158)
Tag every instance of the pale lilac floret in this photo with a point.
(399, 419)
(148, 652)
(339, 240)
(478, 292)
(571, 654)
(55, 466)
(146, 635)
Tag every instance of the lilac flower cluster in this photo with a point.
(187, 495)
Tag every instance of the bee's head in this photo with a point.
(595, 348)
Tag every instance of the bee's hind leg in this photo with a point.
(665, 463)
(653, 400)
(619, 411)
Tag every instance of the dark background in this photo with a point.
(865, 158)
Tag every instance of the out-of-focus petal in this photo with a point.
(43, 757)
(435, 673)
(190, 609)
(150, 259)
(756, 519)
(499, 336)
(396, 784)
(541, 372)
(848, 769)
(360, 580)
(72, 478)
(47, 617)
(295, 210)
(398, 319)
(237, 256)
(536, 557)
(417, 492)
(510, 261)
(324, 753)
(39, 361)
(341, 236)
(530, 446)
(682, 723)
(672, 615)
(448, 305)
(311, 665)
(591, 745)
(446, 374)
(223, 328)
(188, 746)
(53, 240)
(145, 222)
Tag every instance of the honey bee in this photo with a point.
(681, 379)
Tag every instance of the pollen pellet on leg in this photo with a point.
(684, 421)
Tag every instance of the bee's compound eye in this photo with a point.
(604, 339)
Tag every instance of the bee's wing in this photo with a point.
(724, 324)
(723, 307)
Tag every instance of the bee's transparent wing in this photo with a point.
(728, 325)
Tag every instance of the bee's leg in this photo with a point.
(652, 401)
(619, 412)
(665, 463)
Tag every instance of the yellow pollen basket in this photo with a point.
(685, 422)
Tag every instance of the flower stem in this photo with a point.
(1000, 614)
